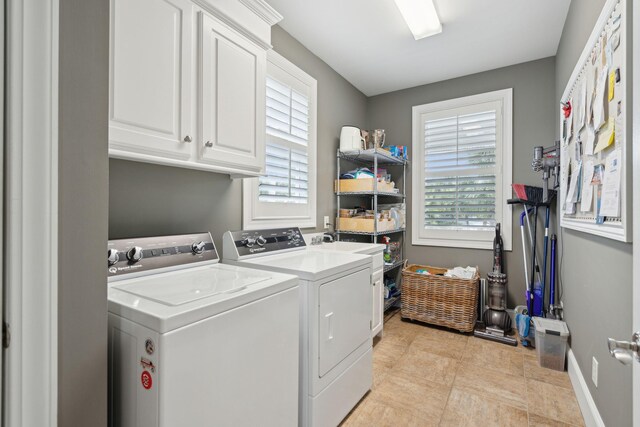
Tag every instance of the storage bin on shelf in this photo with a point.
(444, 301)
(365, 225)
(361, 185)
(551, 342)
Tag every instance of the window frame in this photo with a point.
(468, 239)
(256, 214)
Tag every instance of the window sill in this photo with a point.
(460, 244)
(279, 223)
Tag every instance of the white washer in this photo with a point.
(196, 343)
(375, 252)
(335, 317)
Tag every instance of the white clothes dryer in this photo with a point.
(335, 317)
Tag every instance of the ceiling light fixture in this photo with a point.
(421, 17)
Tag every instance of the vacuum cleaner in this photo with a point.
(495, 322)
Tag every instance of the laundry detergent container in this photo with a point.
(551, 342)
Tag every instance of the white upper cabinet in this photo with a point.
(149, 80)
(232, 96)
(187, 83)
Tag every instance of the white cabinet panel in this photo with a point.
(150, 60)
(378, 303)
(232, 91)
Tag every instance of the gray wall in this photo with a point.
(83, 181)
(147, 199)
(597, 295)
(533, 124)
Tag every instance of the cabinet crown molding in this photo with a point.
(264, 11)
(251, 18)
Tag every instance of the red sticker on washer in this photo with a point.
(146, 380)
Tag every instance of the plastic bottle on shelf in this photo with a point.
(386, 254)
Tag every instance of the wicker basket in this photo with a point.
(439, 300)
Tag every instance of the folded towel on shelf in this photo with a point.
(360, 173)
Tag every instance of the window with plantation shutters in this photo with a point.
(287, 174)
(286, 194)
(460, 171)
(463, 172)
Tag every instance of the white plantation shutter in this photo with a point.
(287, 178)
(287, 113)
(460, 171)
(461, 174)
(285, 196)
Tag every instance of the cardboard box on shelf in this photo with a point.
(358, 185)
(363, 224)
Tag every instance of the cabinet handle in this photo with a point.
(188, 138)
(208, 144)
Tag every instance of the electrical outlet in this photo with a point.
(594, 371)
(327, 224)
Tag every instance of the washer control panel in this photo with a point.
(252, 242)
(139, 255)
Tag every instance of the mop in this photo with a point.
(523, 319)
(544, 263)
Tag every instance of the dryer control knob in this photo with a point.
(134, 254)
(261, 241)
(113, 256)
(197, 247)
(250, 242)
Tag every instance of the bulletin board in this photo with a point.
(595, 165)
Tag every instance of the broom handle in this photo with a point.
(531, 242)
(533, 259)
(544, 260)
(524, 244)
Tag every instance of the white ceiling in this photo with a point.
(369, 44)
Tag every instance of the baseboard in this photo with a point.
(585, 400)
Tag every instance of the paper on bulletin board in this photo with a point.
(606, 136)
(612, 85)
(564, 170)
(570, 122)
(582, 105)
(619, 136)
(586, 199)
(598, 103)
(572, 194)
(577, 106)
(590, 141)
(610, 205)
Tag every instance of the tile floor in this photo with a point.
(425, 376)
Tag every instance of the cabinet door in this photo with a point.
(232, 104)
(150, 69)
(378, 303)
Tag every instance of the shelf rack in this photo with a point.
(375, 158)
(371, 193)
(371, 233)
(389, 267)
(390, 302)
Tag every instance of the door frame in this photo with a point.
(31, 213)
(2, 180)
(635, 105)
